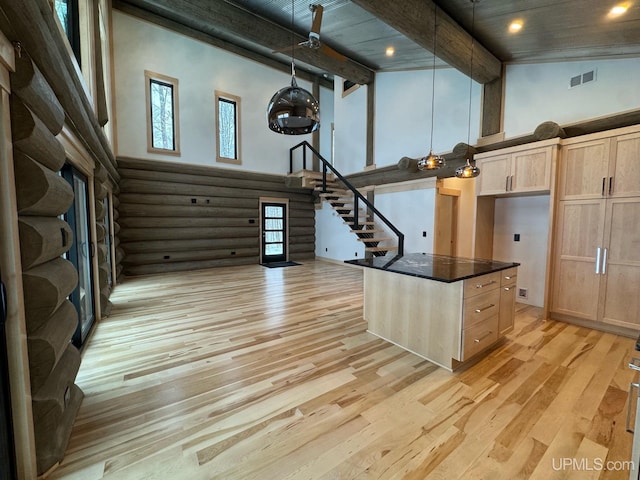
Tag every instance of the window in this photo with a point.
(67, 11)
(227, 128)
(162, 114)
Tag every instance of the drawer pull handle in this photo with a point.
(628, 422)
(507, 288)
(482, 285)
(507, 277)
(478, 340)
(635, 364)
(479, 310)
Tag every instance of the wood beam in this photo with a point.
(223, 20)
(453, 42)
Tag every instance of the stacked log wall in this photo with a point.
(48, 279)
(177, 217)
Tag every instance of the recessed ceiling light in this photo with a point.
(619, 9)
(390, 51)
(515, 26)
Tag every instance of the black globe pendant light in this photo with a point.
(293, 110)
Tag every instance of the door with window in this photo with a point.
(80, 253)
(274, 232)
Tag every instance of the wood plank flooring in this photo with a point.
(257, 373)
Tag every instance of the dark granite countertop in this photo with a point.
(441, 268)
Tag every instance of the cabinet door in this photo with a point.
(494, 173)
(507, 309)
(620, 296)
(531, 170)
(575, 282)
(624, 170)
(584, 170)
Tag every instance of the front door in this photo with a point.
(274, 232)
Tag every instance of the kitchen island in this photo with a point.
(446, 309)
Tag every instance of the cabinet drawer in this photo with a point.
(476, 285)
(481, 307)
(479, 336)
(508, 276)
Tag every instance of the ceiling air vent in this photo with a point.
(583, 78)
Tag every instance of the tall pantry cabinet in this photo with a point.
(596, 267)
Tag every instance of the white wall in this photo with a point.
(403, 113)
(540, 92)
(350, 114)
(334, 239)
(200, 69)
(528, 216)
(412, 212)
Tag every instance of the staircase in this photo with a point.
(355, 210)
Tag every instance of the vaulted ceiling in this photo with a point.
(359, 32)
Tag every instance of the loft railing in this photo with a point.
(357, 196)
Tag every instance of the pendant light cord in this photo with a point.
(293, 41)
(433, 74)
(473, 20)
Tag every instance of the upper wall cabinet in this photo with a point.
(600, 168)
(516, 170)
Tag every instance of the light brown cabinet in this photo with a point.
(605, 167)
(488, 310)
(516, 170)
(596, 268)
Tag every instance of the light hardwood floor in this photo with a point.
(256, 373)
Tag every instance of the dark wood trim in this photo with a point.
(492, 107)
(454, 43)
(371, 118)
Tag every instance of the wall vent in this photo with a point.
(583, 78)
(523, 293)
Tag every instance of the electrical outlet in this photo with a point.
(523, 293)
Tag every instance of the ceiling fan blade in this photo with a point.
(317, 19)
(288, 48)
(332, 53)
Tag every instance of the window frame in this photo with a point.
(150, 77)
(234, 99)
(72, 30)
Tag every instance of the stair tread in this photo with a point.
(380, 249)
(347, 215)
(361, 223)
(374, 239)
(372, 230)
(334, 191)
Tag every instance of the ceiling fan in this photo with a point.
(313, 41)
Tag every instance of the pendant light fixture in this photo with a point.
(432, 161)
(468, 170)
(293, 110)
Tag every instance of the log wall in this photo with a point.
(176, 217)
(42, 195)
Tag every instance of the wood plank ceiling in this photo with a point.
(361, 31)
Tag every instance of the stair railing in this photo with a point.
(357, 196)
